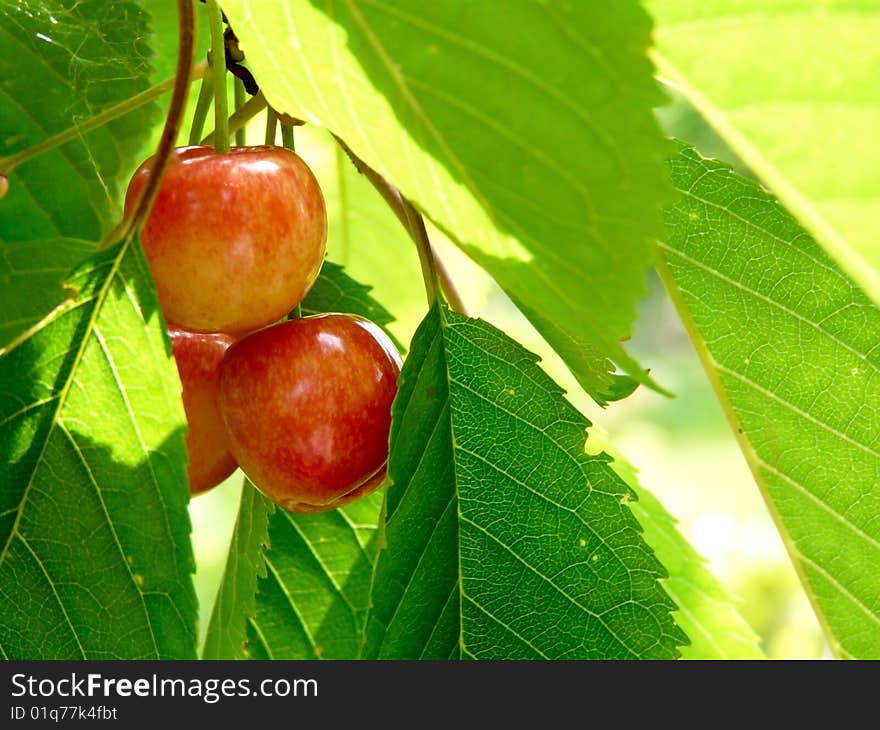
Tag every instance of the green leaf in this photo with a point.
(164, 37)
(31, 273)
(226, 637)
(707, 613)
(95, 558)
(778, 78)
(525, 134)
(295, 586)
(790, 343)
(505, 540)
(314, 598)
(63, 61)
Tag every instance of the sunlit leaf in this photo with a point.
(707, 612)
(790, 343)
(61, 63)
(236, 597)
(791, 86)
(31, 273)
(314, 598)
(95, 558)
(505, 540)
(364, 236)
(523, 131)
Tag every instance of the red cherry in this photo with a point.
(364, 490)
(198, 356)
(234, 241)
(307, 408)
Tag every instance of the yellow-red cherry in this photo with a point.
(307, 408)
(198, 356)
(234, 240)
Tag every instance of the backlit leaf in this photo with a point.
(31, 273)
(524, 131)
(226, 637)
(707, 613)
(62, 62)
(790, 343)
(95, 558)
(791, 86)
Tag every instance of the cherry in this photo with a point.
(234, 241)
(307, 408)
(198, 356)
(364, 490)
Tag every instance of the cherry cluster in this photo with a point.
(234, 241)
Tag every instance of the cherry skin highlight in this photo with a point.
(234, 241)
(198, 356)
(307, 409)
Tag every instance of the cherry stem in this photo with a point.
(419, 234)
(173, 123)
(7, 164)
(343, 222)
(271, 126)
(287, 137)
(447, 285)
(218, 65)
(203, 103)
(240, 94)
(252, 107)
(435, 275)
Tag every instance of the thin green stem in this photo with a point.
(252, 107)
(173, 123)
(240, 98)
(438, 282)
(218, 64)
(7, 164)
(271, 126)
(447, 286)
(419, 234)
(389, 193)
(343, 225)
(203, 104)
(287, 137)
